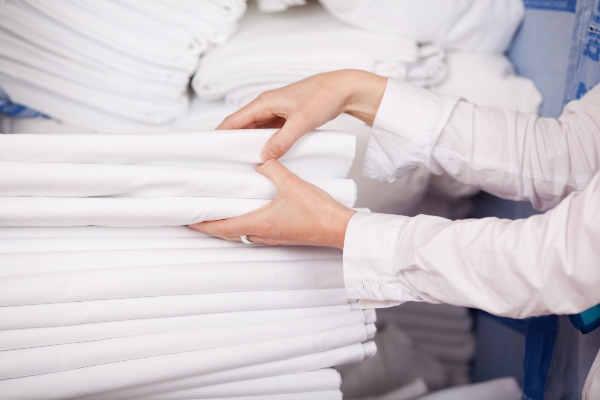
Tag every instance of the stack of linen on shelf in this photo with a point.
(139, 307)
(123, 61)
(273, 50)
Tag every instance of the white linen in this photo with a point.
(24, 179)
(313, 381)
(322, 154)
(82, 232)
(270, 6)
(49, 359)
(28, 263)
(513, 155)
(343, 355)
(220, 277)
(126, 374)
(452, 24)
(85, 312)
(14, 339)
(117, 65)
(272, 50)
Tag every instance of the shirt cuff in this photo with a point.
(369, 269)
(406, 127)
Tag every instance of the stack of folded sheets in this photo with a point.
(273, 50)
(137, 308)
(127, 60)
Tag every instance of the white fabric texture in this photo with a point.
(124, 60)
(451, 24)
(313, 381)
(273, 50)
(137, 307)
(514, 155)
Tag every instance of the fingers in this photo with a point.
(247, 224)
(293, 129)
(254, 114)
(276, 172)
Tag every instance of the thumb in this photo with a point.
(276, 172)
(283, 139)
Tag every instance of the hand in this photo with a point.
(306, 105)
(300, 214)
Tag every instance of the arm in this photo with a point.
(544, 264)
(513, 155)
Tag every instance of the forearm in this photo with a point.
(540, 265)
(513, 155)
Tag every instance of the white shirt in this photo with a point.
(544, 264)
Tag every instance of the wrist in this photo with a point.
(337, 228)
(365, 94)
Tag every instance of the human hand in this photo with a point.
(300, 214)
(303, 106)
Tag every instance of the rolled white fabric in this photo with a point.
(343, 355)
(321, 154)
(14, 339)
(24, 179)
(48, 359)
(85, 312)
(220, 277)
(28, 263)
(312, 381)
(452, 24)
(127, 374)
(277, 49)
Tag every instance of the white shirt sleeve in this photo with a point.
(545, 264)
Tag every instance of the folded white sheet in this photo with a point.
(272, 50)
(313, 381)
(321, 154)
(452, 24)
(48, 359)
(14, 339)
(220, 277)
(85, 312)
(343, 355)
(127, 374)
(82, 232)
(28, 263)
(24, 179)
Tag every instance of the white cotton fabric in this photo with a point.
(45, 262)
(451, 24)
(15, 339)
(23, 179)
(104, 65)
(343, 355)
(48, 359)
(222, 277)
(322, 154)
(85, 312)
(307, 382)
(273, 50)
(126, 374)
(270, 6)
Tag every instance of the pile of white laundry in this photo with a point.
(125, 60)
(129, 310)
(273, 50)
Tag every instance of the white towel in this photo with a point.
(272, 50)
(313, 381)
(322, 154)
(14, 339)
(17, 363)
(127, 374)
(452, 24)
(344, 355)
(23, 179)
